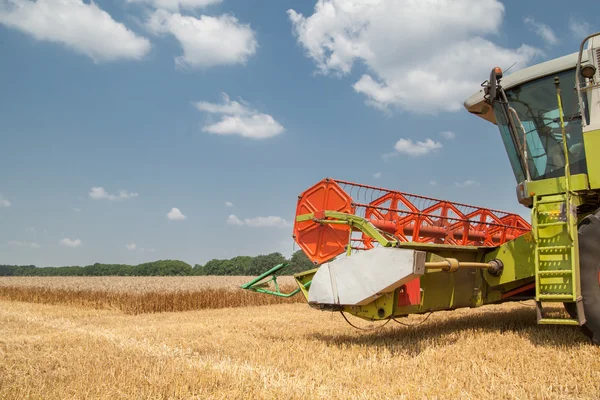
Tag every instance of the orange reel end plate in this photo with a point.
(322, 242)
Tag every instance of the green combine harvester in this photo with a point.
(381, 254)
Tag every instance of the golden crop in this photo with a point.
(136, 295)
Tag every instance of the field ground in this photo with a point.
(288, 351)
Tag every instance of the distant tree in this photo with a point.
(299, 263)
(239, 265)
(263, 263)
(213, 267)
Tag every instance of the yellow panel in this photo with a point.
(557, 185)
(518, 258)
(591, 141)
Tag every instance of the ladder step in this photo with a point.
(558, 321)
(551, 224)
(555, 272)
(550, 248)
(556, 297)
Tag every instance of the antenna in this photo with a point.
(506, 70)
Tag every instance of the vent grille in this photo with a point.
(598, 57)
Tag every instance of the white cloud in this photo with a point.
(466, 183)
(77, 209)
(239, 119)
(176, 5)
(98, 193)
(228, 204)
(407, 146)
(32, 245)
(542, 30)
(233, 220)
(422, 56)
(4, 202)
(175, 215)
(82, 27)
(433, 182)
(70, 243)
(377, 175)
(207, 41)
(259, 222)
(448, 135)
(131, 246)
(579, 28)
(259, 126)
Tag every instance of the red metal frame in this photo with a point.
(409, 294)
(409, 217)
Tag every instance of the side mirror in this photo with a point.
(495, 77)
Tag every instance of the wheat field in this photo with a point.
(286, 351)
(137, 295)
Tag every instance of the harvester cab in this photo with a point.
(381, 254)
(538, 111)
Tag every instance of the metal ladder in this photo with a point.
(556, 256)
(554, 219)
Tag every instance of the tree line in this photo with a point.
(240, 265)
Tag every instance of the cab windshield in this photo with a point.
(536, 104)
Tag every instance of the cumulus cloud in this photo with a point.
(422, 56)
(66, 242)
(206, 41)
(542, 30)
(228, 204)
(31, 245)
(176, 215)
(4, 202)
(82, 27)
(414, 149)
(131, 246)
(239, 119)
(98, 193)
(233, 220)
(259, 222)
(448, 135)
(579, 28)
(176, 5)
(466, 183)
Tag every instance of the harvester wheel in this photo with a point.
(589, 262)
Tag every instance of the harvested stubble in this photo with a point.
(138, 295)
(289, 351)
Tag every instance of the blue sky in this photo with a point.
(115, 113)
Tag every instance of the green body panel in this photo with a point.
(517, 257)
(591, 142)
(444, 291)
(545, 187)
(380, 308)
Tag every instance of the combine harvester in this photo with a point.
(382, 254)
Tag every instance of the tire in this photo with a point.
(589, 265)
